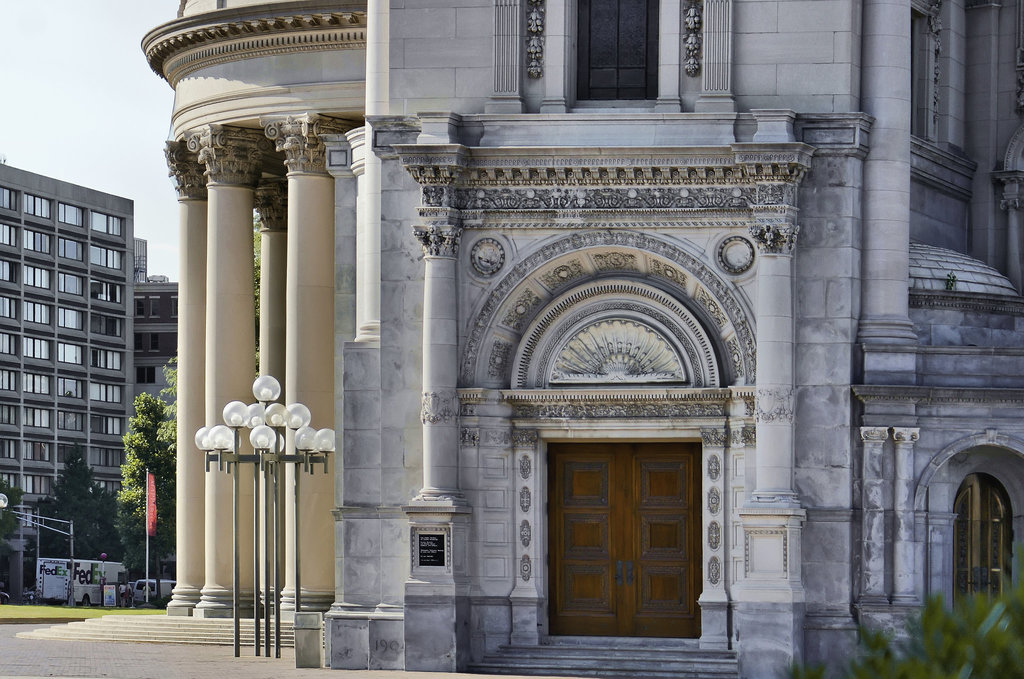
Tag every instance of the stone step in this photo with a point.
(158, 629)
(611, 661)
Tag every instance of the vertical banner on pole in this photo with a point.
(150, 505)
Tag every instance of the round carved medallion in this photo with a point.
(735, 254)
(487, 256)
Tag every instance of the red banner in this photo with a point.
(151, 505)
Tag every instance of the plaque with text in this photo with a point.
(430, 548)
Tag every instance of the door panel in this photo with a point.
(624, 538)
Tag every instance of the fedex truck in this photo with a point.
(89, 577)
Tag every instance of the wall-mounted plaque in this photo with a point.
(430, 549)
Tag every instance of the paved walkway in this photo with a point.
(36, 658)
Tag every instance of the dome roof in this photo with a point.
(929, 267)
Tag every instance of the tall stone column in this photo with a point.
(904, 547)
(769, 613)
(272, 206)
(232, 159)
(873, 495)
(309, 343)
(715, 51)
(886, 86)
(190, 496)
(1013, 202)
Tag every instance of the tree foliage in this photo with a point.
(979, 638)
(8, 521)
(78, 497)
(148, 445)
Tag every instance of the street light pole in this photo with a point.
(39, 522)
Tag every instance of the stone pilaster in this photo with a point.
(526, 597)
(714, 601)
(1013, 203)
(309, 324)
(716, 50)
(873, 496)
(669, 53)
(905, 568)
(272, 205)
(191, 497)
(508, 56)
(232, 158)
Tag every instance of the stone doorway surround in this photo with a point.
(722, 419)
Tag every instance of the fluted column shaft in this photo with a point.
(873, 515)
(190, 495)
(309, 345)
(904, 549)
(232, 160)
(440, 411)
(886, 84)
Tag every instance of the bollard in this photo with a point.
(309, 639)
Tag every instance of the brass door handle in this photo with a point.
(618, 573)
(629, 572)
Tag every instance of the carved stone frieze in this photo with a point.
(188, 173)
(775, 234)
(524, 438)
(774, 404)
(520, 310)
(562, 274)
(469, 437)
(498, 362)
(659, 268)
(439, 407)
(439, 240)
(713, 437)
(615, 261)
(298, 137)
(535, 38)
(496, 437)
(619, 352)
(271, 203)
(525, 467)
(608, 198)
(581, 411)
(712, 307)
(232, 155)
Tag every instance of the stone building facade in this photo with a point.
(701, 350)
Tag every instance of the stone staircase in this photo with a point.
(612, 658)
(159, 629)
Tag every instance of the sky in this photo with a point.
(79, 103)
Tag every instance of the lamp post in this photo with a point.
(269, 421)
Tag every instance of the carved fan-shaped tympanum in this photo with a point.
(617, 351)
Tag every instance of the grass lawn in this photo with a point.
(9, 613)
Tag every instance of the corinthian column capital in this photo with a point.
(272, 203)
(439, 240)
(299, 138)
(185, 168)
(231, 155)
(775, 233)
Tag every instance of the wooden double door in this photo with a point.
(624, 539)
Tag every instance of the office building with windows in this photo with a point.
(65, 363)
(684, 332)
(156, 330)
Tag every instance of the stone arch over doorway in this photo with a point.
(712, 316)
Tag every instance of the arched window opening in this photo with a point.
(983, 537)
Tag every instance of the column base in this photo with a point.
(504, 104)
(668, 105)
(770, 637)
(886, 331)
(715, 103)
(365, 641)
(525, 618)
(183, 600)
(218, 603)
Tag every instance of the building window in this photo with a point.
(70, 283)
(8, 234)
(982, 537)
(154, 342)
(140, 307)
(106, 457)
(8, 271)
(69, 249)
(8, 343)
(8, 307)
(70, 421)
(32, 347)
(8, 379)
(37, 206)
(36, 484)
(105, 292)
(105, 257)
(7, 199)
(69, 353)
(618, 49)
(102, 424)
(108, 393)
(37, 417)
(69, 318)
(36, 312)
(9, 449)
(35, 241)
(109, 486)
(145, 374)
(36, 450)
(69, 214)
(154, 307)
(35, 277)
(69, 387)
(34, 383)
(174, 307)
(104, 358)
(8, 414)
(107, 224)
(105, 325)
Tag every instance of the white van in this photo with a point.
(139, 590)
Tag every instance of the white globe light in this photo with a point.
(262, 437)
(298, 416)
(202, 438)
(3, 501)
(235, 413)
(305, 438)
(221, 437)
(324, 441)
(266, 388)
(276, 415)
(254, 416)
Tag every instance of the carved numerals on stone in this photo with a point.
(439, 408)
